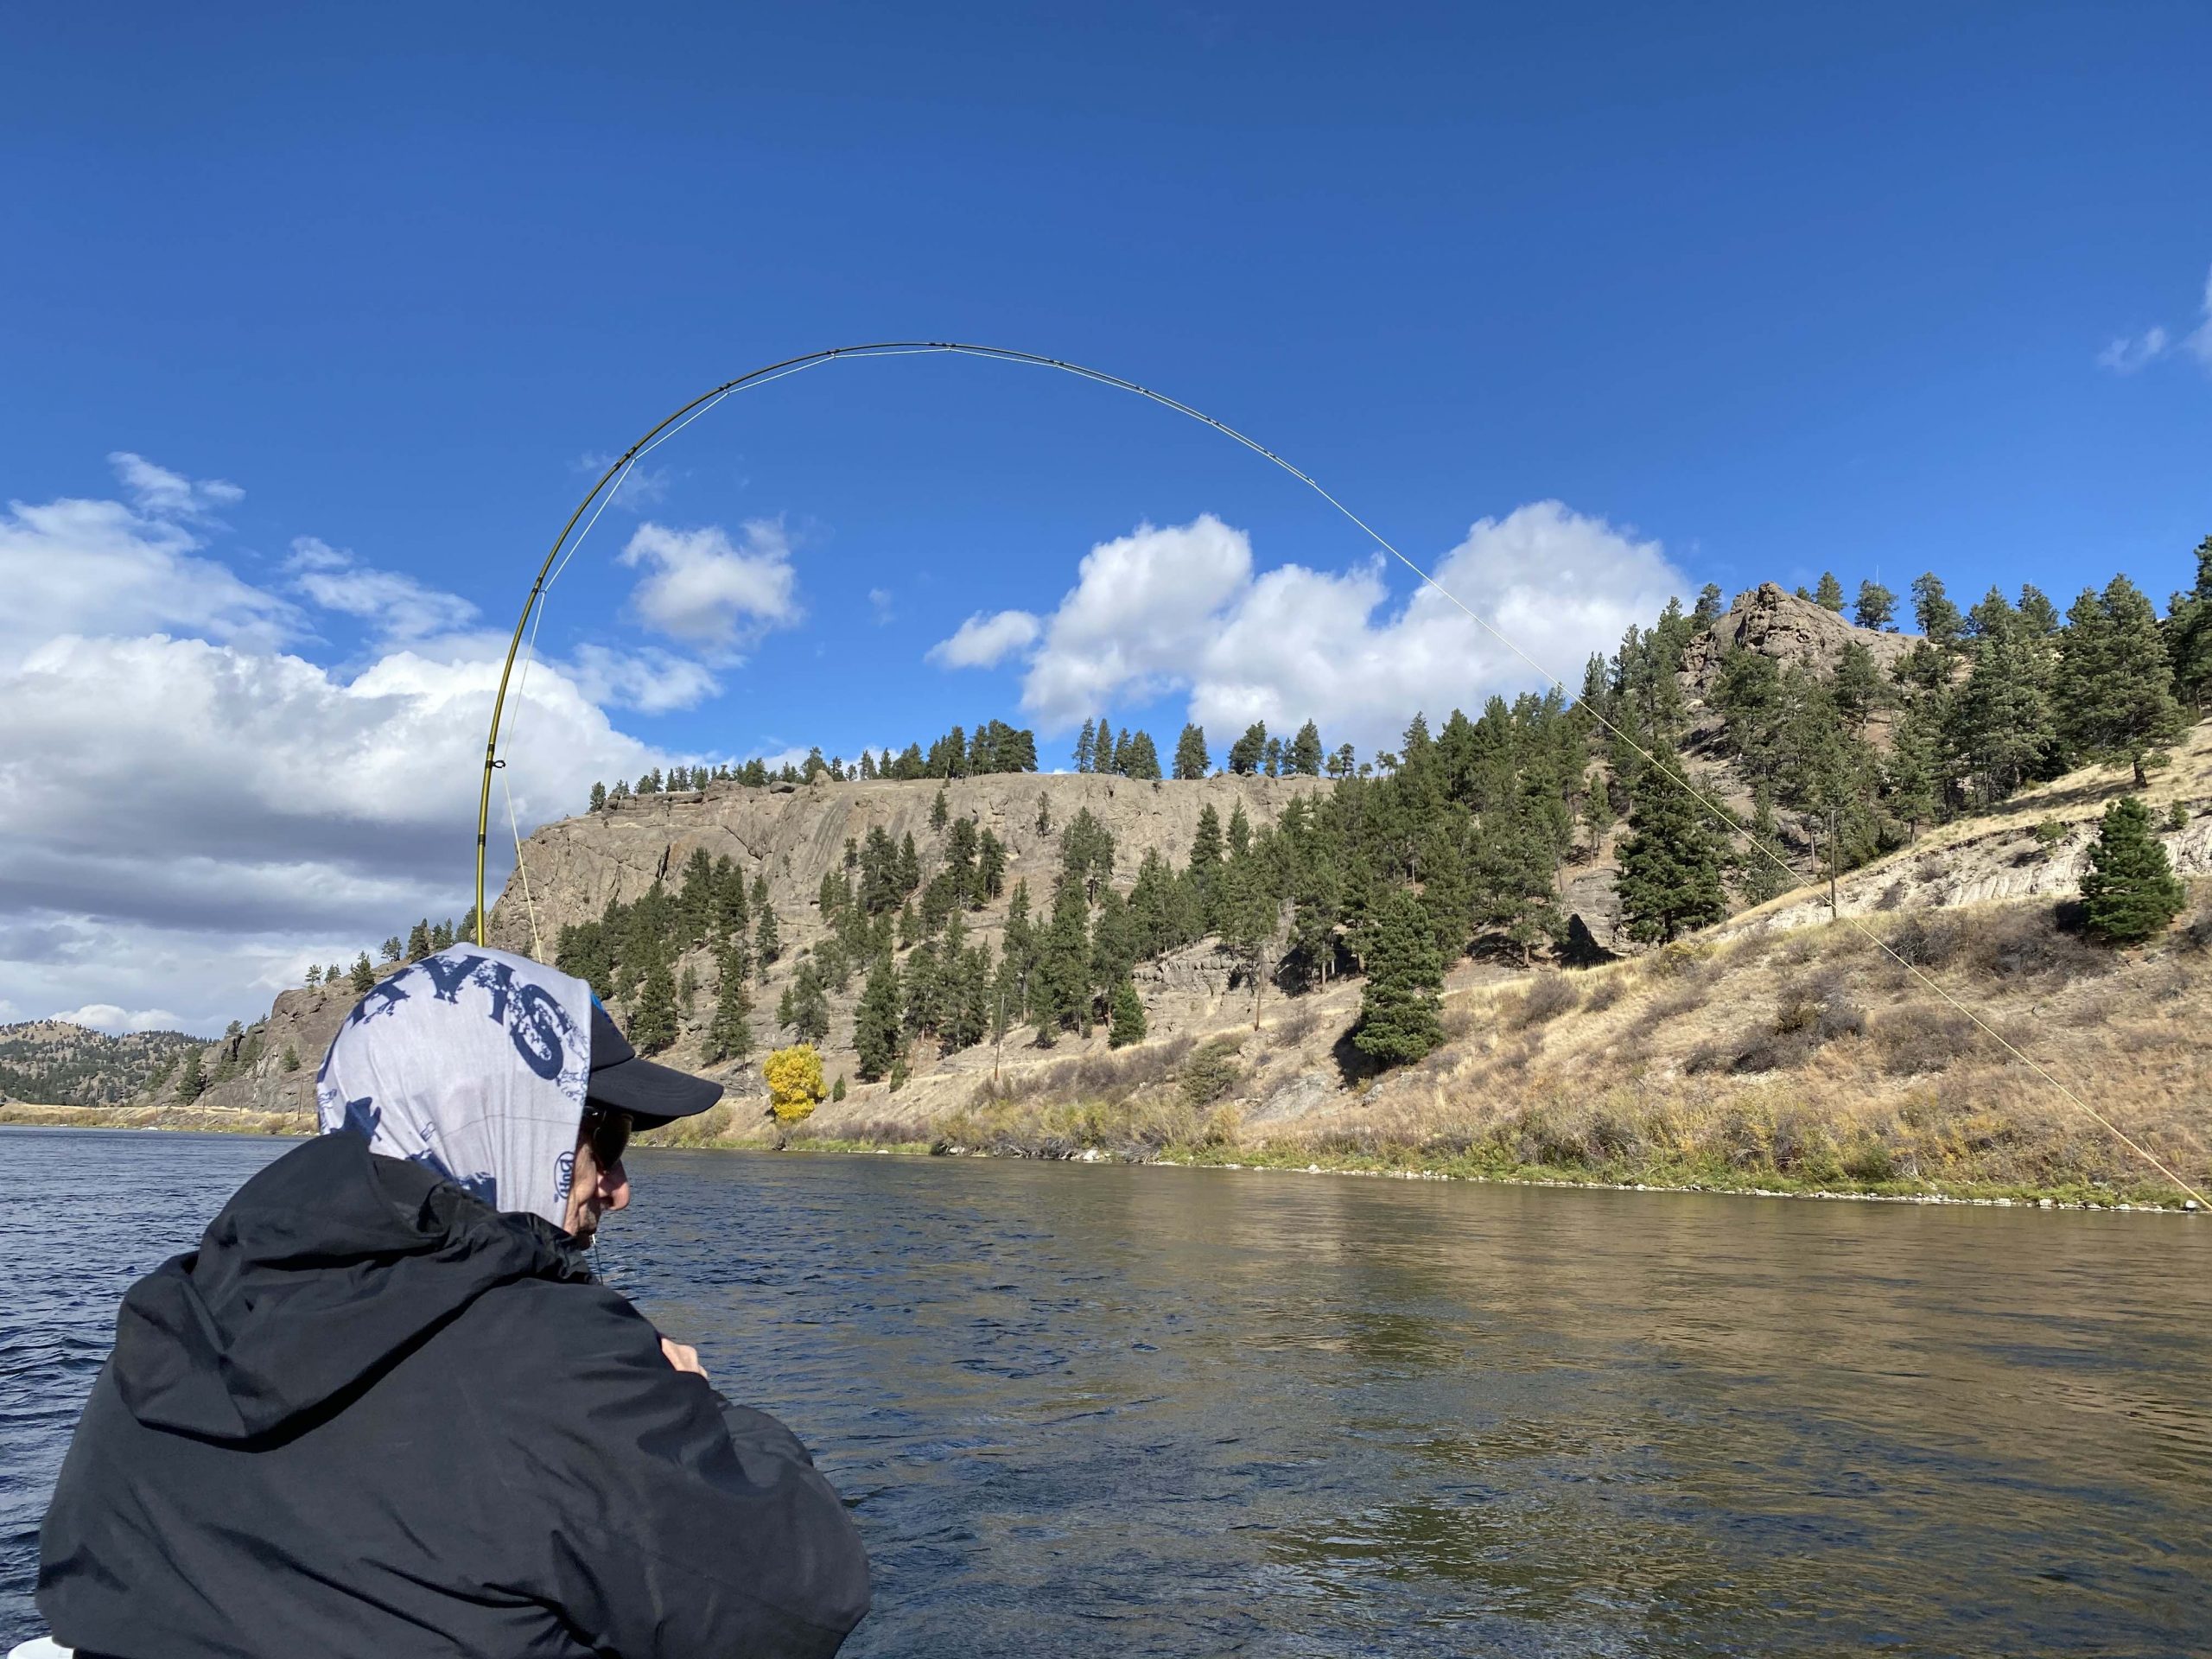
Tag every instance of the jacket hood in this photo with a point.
(320, 1271)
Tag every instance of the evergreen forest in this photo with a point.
(1454, 841)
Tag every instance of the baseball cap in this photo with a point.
(652, 1095)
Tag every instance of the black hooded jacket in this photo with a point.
(372, 1416)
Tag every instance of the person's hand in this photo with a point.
(682, 1356)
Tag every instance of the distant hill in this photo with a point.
(55, 1063)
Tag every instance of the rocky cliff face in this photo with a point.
(793, 835)
(270, 1067)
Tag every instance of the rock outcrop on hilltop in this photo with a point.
(1794, 632)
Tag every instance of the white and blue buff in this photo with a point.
(472, 1061)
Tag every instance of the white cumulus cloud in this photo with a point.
(101, 567)
(2199, 343)
(2129, 352)
(652, 681)
(705, 590)
(195, 811)
(116, 1021)
(395, 605)
(1181, 609)
(986, 641)
(158, 491)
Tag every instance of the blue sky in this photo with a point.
(1749, 294)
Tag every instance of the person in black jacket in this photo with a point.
(386, 1409)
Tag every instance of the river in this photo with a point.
(1096, 1410)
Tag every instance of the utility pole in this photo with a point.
(1831, 830)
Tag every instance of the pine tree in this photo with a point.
(1708, 607)
(940, 811)
(1206, 844)
(1192, 761)
(837, 1089)
(392, 949)
(809, 1020)
(729, 1034)
(314, 976)
(1247, 751)
(2130, 891)
(598, 797)
(192, 1082)
(441, 935)
(418, 940)
(1087, 853)
(1671, 865)
(1305, 752)
(1143, 762)
(1938, 618)
(1758, 876)
(2189, 629)
(2115, 684)
(767, 942)
(2003, 726)
(1126, 1010)
(1086, 743)
(365, 976)
(1248, 916)
(1828, 595)
(1877, 606)
(990, 866)
(1913, 774)
(1401, 1017)
(875, 1025)
(687, 987)
(652, 1027)
(1059, 995)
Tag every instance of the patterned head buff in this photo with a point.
(473, 1061)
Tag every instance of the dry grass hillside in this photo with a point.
(1781, 1049)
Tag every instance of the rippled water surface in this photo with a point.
(1091, 1410)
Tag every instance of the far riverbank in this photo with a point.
(1403, 1164)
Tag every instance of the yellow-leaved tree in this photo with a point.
(794, 1077)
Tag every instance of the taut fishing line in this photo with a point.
(597, 498)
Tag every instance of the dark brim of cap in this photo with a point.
(652, 1095)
